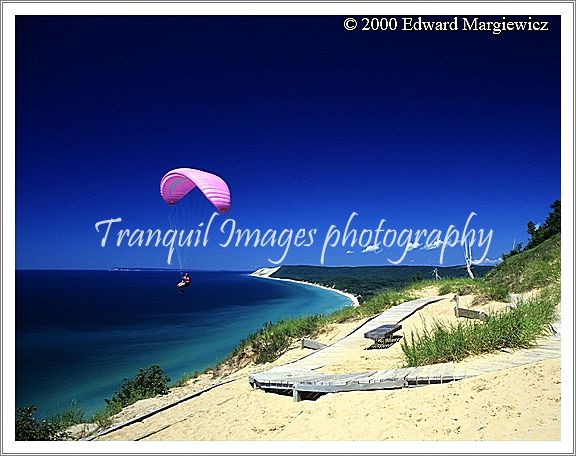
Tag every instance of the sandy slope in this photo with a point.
(515, 404)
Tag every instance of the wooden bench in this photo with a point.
(383, 336)
(469, 313)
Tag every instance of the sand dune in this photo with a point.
(517, 404)
(521, 403)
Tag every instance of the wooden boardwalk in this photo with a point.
(299, 377)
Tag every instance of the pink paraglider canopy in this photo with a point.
(177, 183)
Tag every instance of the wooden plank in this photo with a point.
(469, 313)
(309, 343)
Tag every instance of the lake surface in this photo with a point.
(80, 333)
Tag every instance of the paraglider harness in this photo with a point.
(185, 282)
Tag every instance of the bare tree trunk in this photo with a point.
(468, 257)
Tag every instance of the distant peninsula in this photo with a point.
(367, 281)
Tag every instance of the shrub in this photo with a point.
(148, 382)
(29, 428)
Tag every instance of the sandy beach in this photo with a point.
(521, 403)
(267, 272)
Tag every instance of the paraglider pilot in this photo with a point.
(185, 282)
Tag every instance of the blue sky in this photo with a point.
(305, 121)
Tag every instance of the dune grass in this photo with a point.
(519, 327)
(186, 378)
(73, 415)
(491, 290)
(273, 339)
(532, 269)
(376, 304)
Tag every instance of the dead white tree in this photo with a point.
(468, 258)
(436, 275)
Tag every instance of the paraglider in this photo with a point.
(178, 183)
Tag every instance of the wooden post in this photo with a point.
(457, 299)
(296, 395)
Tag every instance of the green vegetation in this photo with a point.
(375, 305)
(273, 339)
(148, 382)
(102, 418)
(185, 379)
(548, 229)
(368, 281)
(54, 428)
(484, 288)
(541, 233)
(74, 415)
(29, 428)
(534, 268)
(517, 328)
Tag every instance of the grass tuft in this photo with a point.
(185, 379)
(519, 327)
(74, 415)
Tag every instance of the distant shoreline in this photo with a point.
(266, 273)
